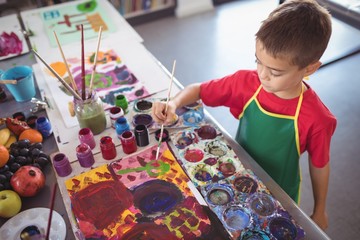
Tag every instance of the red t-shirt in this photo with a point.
(316, 123)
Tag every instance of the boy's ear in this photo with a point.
(310, 69)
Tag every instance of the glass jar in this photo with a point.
(90, 113)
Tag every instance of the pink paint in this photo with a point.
(128, 142)
(194, 155)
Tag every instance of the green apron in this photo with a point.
(273, 141)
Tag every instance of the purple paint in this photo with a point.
(156, 197)
(143, 119)
(282, 228)
(206, 132)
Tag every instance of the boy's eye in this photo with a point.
(257, 61)
(275, 74)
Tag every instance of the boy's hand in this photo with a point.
(160, 116)
(321, 219)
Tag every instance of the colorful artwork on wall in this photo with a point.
(12, 41)
(139, 196)
(66, 21)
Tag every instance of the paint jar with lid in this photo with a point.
(86, 136)
(121, 101)
(62, 165)
(115, 113)
(43, 125)
(107, 148)
(128, 142)
(84, 155)
(121, 125)
(90, 113)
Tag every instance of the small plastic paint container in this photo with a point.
(143, 119)
(86, 136)
(115, 113)
(121, 101)
(62, 165)
(121, 125)
(141, 135)
(128, 142)
(165, 135)
(19, 116)
(84, 155)
(43, 125)
(206, 132)
(262, 204)
(31, 121)
(236, 218)
(282, 228)
(143, 105)
(245, 185)
(107, 148)
(219, 194)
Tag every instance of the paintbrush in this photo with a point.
(95, 60)
(8, 81)
(166, 107)
(51, 211)
(66, 85)
(83, 93)
(66, 64)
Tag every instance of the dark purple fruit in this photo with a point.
(14, 167)
(4, 168)
(3, 178)
(24, 152)
(8, 175)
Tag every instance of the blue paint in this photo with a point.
(236, 218)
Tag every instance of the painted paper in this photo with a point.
(12, 41)
(66, 21)
(138, 196)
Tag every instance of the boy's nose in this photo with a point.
(263, 73)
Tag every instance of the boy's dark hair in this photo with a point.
(298, 30)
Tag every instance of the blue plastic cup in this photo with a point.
(24, 90)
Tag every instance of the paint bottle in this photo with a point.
(86, 136)
(121, 125)
(84, 155)
(90, 113)
(107, 148)
(121, 101)
(2, 95)
(115, 113)
(141, 135)
(128, 142)
(62, 165)
(44, 126)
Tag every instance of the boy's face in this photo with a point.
(278, 75)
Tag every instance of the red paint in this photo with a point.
(107, 147)
(101, 203)
(194, 155)
(128, 142)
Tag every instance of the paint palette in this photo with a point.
(188, 116)
(35, 218)
(136, 196)
(247, 209)
(205, 155)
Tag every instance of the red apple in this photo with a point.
(10, 203)
(27, 181)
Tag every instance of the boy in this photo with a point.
(279, 115)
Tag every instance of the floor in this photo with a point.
(219, 42)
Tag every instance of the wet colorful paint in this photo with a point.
(219, 194)
(282, 228)
(245, 184)
(206, 132)
(194, 155)
(254, 235)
